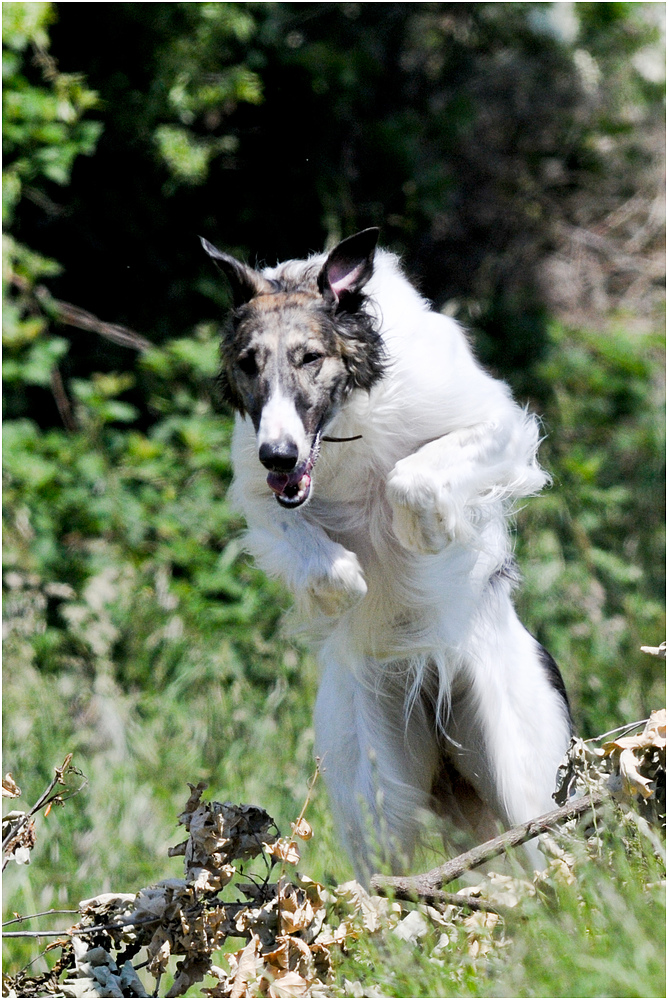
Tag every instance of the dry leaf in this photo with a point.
(159, 951)
(289, 984)
(296, 911)
(248, 964)
(375, 911)
(19, 846)
(283, 850)
(412, 927)
(10, 789)
(634, 782)
(302, 829)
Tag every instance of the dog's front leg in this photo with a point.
(335, 582)
(322, 574)
(438, 493)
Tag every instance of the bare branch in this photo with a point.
(62, 401)
(620, 729)
(45, 799)
(78, 931)
(33, 916)
(75, 931)
(438, 898)
(79, 318)
(421, 886)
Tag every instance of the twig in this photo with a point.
(81, 319)
(21, 822)
(424, 885)
(35, 934)
(62, 401)
(45, 799)
(77, 931)
(620, 729)
(439, 898)
(309, 792)
(94, 928)
(33, 916)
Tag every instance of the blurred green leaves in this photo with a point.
(44, 124)
(593, 547)
(119, 527)
(202, 89)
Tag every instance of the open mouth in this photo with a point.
(293, 489)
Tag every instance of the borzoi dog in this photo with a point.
(376, 463)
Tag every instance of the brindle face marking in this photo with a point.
(293, 351)
(285, 351)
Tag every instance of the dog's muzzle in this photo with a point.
(294, 488)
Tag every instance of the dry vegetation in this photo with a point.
(293, 926)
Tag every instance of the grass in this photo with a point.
(603, 936)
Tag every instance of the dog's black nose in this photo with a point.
(280, 456)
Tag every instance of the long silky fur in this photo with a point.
(424, 662)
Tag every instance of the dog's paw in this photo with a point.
(341, 588)
(425, 514)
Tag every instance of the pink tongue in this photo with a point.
(277, 481)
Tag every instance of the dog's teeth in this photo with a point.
(295, 494)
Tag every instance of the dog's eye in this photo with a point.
(311, 357)
(248, 364)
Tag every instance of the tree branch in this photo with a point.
(62, 401)
(234, 908)
(33, 916)
(45, 799)
(425, 885)
(77, 317)
(78, 931)
(439, 898)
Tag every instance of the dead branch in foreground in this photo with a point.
(429, 883)
(439, 899)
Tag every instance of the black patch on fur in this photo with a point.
(348, 327)
(554, 676)
(225, 384)
(363, 349)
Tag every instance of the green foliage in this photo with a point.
(44, 129)
(498, 126)
(197, 84)
(592, 548)
(602, 936)
(140, 638)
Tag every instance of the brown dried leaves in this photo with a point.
(629, 767)
(641, 760)
(220, 833)
(288, 949)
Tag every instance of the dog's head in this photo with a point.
(298, 342)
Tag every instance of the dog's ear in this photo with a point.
(348, 267)
(244, 281)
